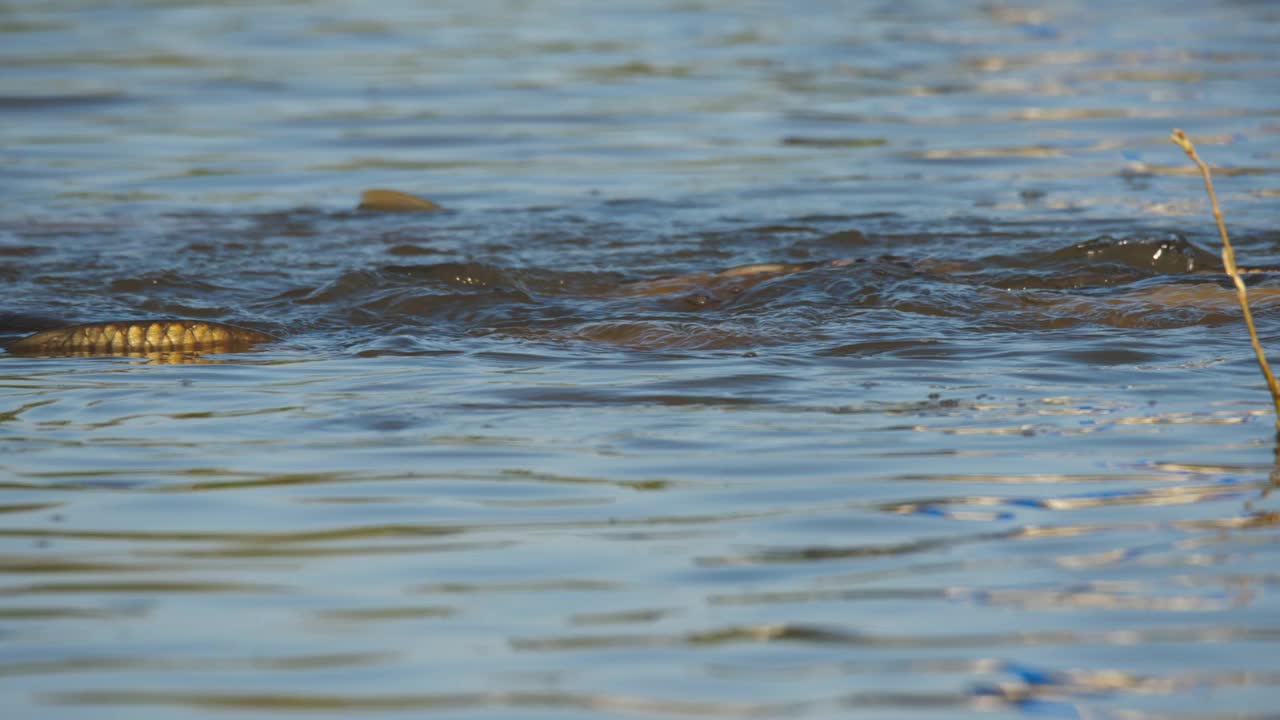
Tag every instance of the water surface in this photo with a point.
(994, 444)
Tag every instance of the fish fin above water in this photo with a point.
(381, 200)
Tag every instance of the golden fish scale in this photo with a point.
(139, 337)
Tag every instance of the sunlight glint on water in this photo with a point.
(978, 436)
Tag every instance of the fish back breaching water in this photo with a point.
(695, 290)
(141, 337)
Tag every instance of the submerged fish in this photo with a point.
(184, 340)
(1104, 261)
(705, 287)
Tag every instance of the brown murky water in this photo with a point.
(834, 359)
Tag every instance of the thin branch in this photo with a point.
(1229, 262)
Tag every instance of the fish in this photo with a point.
(382, 200)
(140, 337)
(186, 339)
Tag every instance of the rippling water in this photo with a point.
(982, 435)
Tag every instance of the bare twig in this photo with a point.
(1229, 262)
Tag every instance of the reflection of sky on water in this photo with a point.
(1019, 469)
(1042, 112)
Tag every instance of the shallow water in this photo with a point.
(998, 449)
